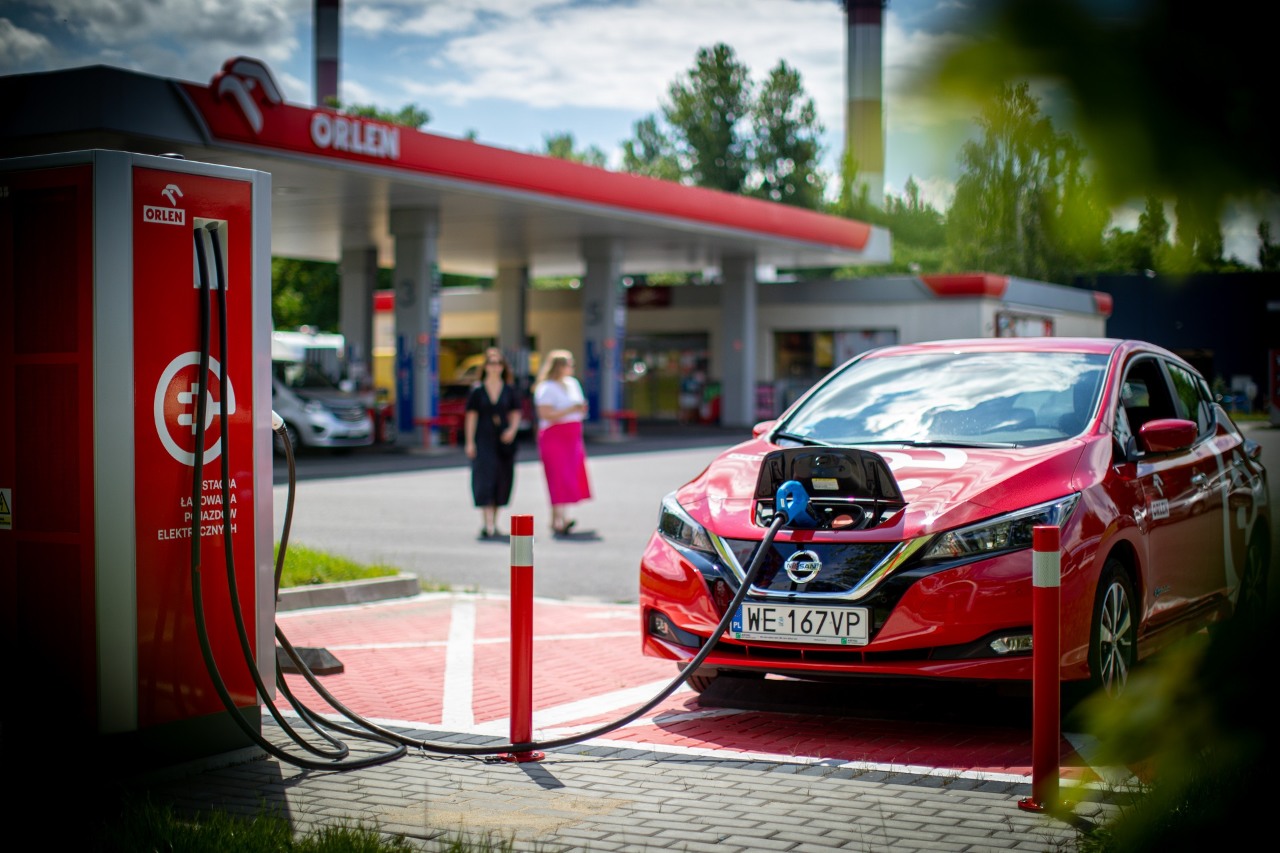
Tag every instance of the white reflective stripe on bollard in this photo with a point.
(522, 551)
(1046, 568)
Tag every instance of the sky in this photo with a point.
(513, 72)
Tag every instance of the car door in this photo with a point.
(1183, 534)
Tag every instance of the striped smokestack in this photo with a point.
(864, 93)
(326, 26)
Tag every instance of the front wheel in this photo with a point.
(1113, 636)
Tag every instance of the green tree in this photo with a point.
(707, 110)
(715, 132)
(561, 146)
(410, 115)
(1152, 243)
(1024, 203)
(1197, 245)
(914, 221)
(852, 201)
(1268, 252)
(787, 148)
(304, 293)
(650, 152)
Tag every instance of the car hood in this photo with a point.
(944, 487)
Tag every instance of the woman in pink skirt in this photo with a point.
(561, 410)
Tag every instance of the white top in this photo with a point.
(559, 395)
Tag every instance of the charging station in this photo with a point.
(104, 510)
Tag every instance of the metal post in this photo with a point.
(1046, 686)
(522, 637)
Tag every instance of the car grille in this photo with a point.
(844, 565)
(350, 414)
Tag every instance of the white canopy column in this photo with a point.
(604, 319)
(417, 321)
(357, 279)
(512, 287)
(738, 347)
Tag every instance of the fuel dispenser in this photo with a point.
(112, 485)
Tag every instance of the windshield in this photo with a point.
(302, 375)
(969, 398)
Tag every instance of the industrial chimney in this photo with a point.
(864, 93)
(325, 31)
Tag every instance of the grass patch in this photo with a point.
(146, 826)
(304, 566)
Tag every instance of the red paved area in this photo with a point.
(397, 667)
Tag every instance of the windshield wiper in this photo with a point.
(800, 439)
(907, 442)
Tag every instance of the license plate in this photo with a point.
(790, 623)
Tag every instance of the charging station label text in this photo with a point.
(164, 215)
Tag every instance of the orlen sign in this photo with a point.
(243, 101)
(357, 137)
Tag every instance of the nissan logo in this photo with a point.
(803, 566)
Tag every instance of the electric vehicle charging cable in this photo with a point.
(337, 756)
(791, 504)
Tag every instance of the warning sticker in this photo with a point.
(6, 509)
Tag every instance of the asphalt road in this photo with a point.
(413, 511)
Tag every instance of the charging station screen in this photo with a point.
(172, 210)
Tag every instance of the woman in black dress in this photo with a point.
(490, 426)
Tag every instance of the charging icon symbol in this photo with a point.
(188, 398)
(176, 404)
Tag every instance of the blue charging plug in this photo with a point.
(793, 501)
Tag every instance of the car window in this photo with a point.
(973, 398)
(1189, 399)
(1144, 396)
(302, 375)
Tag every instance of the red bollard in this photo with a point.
(522, 637)
(1046, 675)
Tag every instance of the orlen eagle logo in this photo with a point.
(171, 215)
(248, 82)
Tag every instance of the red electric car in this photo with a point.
(1160, 501)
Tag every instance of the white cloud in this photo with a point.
(18, 46)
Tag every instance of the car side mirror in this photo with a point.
(761, 428)
(1167, 435)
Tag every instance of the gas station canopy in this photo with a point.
(336, 178)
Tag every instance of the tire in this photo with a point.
(1113, 635)
(1251, 603)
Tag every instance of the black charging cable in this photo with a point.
(338, 758)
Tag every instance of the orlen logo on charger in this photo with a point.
(172, 215)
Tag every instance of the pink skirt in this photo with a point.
(564, 459)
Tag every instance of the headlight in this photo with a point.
(314, 407)
(676, 526)
(1009, 532)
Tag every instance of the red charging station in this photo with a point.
(100, 354)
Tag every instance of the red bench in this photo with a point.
(623, 418)
(449, 425)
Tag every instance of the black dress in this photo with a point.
(493, 469)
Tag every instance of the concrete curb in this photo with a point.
(348, 592)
